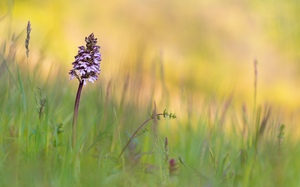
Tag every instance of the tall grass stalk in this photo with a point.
(152, 117)
(255, 89)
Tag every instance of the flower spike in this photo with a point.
(86, 66)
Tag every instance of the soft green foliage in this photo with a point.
(35, 138)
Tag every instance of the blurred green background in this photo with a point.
(189, 48)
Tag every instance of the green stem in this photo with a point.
(76, 106)
(136, 131)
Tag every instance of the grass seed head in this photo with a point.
(28, 30)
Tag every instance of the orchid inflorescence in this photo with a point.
(86, 66)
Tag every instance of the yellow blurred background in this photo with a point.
(202, 48)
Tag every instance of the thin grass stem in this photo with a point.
(137, 130)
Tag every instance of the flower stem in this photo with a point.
(76, 106)
(136, 131)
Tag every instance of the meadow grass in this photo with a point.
(222, 145)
